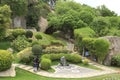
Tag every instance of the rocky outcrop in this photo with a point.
(114, 48)
(19, 21)
(43, 24)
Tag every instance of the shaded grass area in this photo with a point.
(25, 75)
(4, 45)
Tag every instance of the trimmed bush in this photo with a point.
(37, 49)
(57, 43)
(115, 61)
(45, 64)
(88, 44)
(6, 59)
(84, 32)
(86, 62)
(101, 47)
(35, 42)
(29, 34)
(56, 49)
(25, 56)
(18, 32)
(38, 36)
(74, 58)
(20, 43)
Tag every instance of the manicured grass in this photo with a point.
(4, 45)
(25, 75)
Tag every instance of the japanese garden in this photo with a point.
(58, 40)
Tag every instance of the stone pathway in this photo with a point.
(9, 73)
(73, 72)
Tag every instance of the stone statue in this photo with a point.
(63, 61)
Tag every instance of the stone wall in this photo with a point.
(19, 21)
(114, 48)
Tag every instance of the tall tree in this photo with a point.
(104, 11)
(5, 14)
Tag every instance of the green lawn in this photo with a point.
(25, 75)
(4, 45)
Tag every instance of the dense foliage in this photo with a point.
(18, 7)
(6, 59)
(101, 48)
(115, 61)
(37, 49)
(25, 56)
(5, 14)
(20, 43)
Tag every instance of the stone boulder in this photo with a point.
(114, 48)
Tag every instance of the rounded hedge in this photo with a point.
(45, 64)
(86, 62)
(29, 34)
(18, 32)
(38, 36)
(37, 49)
(6, 59)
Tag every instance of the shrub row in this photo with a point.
(11, 34)
(73, 58)
(56, 49)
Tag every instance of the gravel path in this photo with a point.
(72, 71)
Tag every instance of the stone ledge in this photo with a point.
(9, 73)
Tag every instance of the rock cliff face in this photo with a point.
(43, 24)
(19, 21)
(114, 48)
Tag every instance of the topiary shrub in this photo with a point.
(86, 62)
(29, 34)
(18, 32)
(6, 59)
(45, 64)
(25, 56)
(74, 58)
(56, 49)
(20, 43)
(37, 50)
(84, 32)
(115, 61)
(57, 43)
(38, 36)
(101, 47)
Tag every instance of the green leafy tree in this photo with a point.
(86, 17)
(18, 7)
(104, 11)
(5, 14)
(100, 25)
